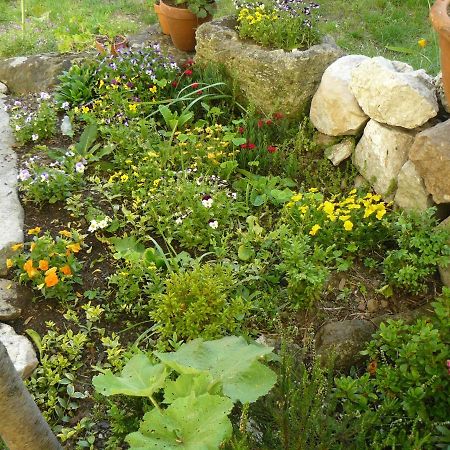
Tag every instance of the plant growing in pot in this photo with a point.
(183, 18)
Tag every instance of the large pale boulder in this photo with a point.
(393, 93)
(431, 156)
(380, 154)
(19, 349)
(272, 80)
(334, 109)
(411, 192)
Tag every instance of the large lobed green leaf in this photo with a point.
(189, 423)
(139, 378)
(230, 360)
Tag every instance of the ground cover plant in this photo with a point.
(184, 225)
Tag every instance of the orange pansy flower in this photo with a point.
(66, 270)
(28, 265)
(43, 264)
(51, 279)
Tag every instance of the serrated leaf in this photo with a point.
(139, 378)
(229, 361)
(190, 384)
(189, 423)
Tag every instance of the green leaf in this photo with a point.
(189, 423)
(230, 361)
(36, 338)
(245, 252)
(127, 248)
(139, 377)
(259, 200)
(87, 138)
(404, 50)
(188, 384)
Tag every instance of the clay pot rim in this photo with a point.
(439, 15)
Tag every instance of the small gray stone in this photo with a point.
(19, 349)
(344, 340)
(340, 152)
(440, 92)
(8, 300)
(372, 305)
(3, 88)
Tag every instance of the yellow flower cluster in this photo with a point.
(344, 211)
(259, 15)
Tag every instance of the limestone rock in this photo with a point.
(3, 88)
(344, 339)
(430, 154)
(340, 152)
(272, 80)
(8, 300)
(444, 272)
(11, 212)
(380, 154)
(324, 141)
(411, 193)
(334, 109)
(393, 93)
(19, 349)
(23, 74)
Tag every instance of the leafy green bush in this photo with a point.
(76, 86)
(199, 303)
(422, 246)
(403, 399)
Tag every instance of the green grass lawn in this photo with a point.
(368, 27)
(65, 25)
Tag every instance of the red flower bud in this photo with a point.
(272, 149)
(260, 123)
(188, 72)
(194, 85)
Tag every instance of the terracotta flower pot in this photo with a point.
(161, 18)
(440, 19)
(182, 26)
(101, 43)
(119, 43)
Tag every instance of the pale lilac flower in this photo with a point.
(65, 106)
(44, 96)
(18, 127)
(79, 167)
(24, 174)
(44, 177)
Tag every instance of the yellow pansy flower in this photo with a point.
(348, 226)
(313, 231)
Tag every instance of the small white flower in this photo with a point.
(34, 137)
(234, 195)
(93, 226)
(207, 201)
(213, 224)
(179, 221)
(17, 127)
(65, 106)
(44, 96)
(69, 153)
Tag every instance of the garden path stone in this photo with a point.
(411, 192)
(380, 154)
(271, 80)
(9, 308)
(334, 109)
(392, 93)
(19, 349)
(430, 154)
(11, 212)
